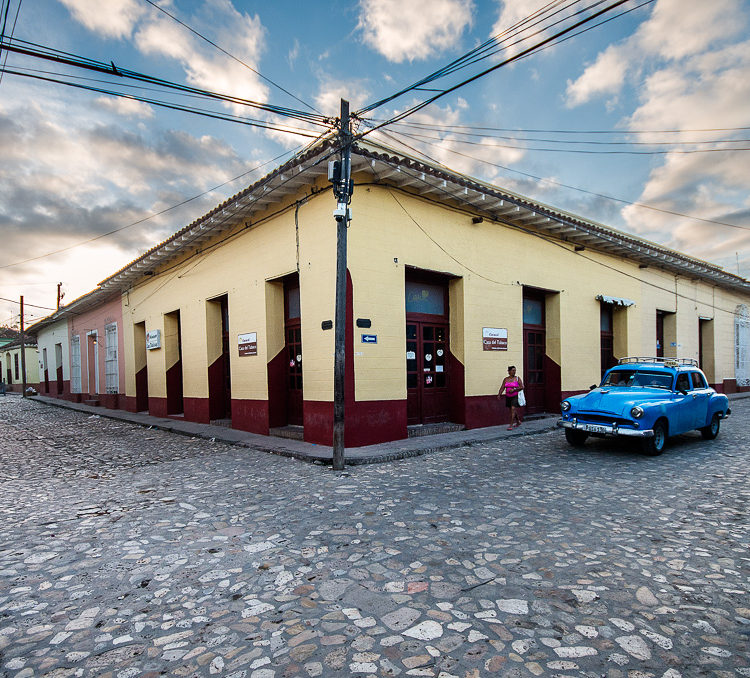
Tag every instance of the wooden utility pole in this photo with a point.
(342, 190)
(23, 355)
(59, 295)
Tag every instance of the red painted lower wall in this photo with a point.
(197, 410)
(109, 400)
(157, 407)
(250, 415)
(365, 423)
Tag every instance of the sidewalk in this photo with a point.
(321, 454)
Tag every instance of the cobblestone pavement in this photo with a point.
(130, 552)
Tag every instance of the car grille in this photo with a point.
(597, 418)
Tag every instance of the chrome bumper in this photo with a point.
(609, 430)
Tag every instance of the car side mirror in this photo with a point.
(592, 387)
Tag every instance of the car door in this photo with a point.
(701, 394)
(684, 419)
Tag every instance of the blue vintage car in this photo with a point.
(648, 399)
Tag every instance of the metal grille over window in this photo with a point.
(111, 374)
(75, 360)
(742, 345)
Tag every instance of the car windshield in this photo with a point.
(629, 378)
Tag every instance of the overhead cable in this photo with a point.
(153, 215)
(231, 56)
(577, 188)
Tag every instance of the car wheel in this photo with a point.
(655, 445)
(712, 430)
(576, 438)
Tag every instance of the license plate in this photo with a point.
(593, 428)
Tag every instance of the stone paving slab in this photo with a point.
(129, 552)
(371, 454)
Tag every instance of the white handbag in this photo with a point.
(521, 398)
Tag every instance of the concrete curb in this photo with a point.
(309, 452)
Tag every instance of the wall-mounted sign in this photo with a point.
(494, 339)
(153, 339)
(369, 338)
(247, 344)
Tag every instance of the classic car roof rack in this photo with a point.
(667, 362)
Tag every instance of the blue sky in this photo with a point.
(79, 164)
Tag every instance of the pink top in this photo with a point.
(511, 385)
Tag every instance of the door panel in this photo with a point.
(534, 342)
(294, 373)
(428, 399)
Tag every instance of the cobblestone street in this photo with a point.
(128, 552)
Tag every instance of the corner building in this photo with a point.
(450, 280)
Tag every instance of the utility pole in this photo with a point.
(23, 355)
(339, 173)
(59, 296)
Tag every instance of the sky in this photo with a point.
(77, 165)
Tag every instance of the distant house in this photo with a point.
(7, 335)
(11, 364)
(80, 347)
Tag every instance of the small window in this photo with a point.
(683, 382)
(292, 303)
(424, 298)
(698, 380)
(533, 312)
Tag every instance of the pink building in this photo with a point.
(94, 345)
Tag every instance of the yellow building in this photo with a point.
(11, 364)
(451, 280)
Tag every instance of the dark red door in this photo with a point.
(534, 351)
(226, 377)
(294, 372)
(427, 397)
(659, 334)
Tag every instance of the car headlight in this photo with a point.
(636, 412)
(565, 405)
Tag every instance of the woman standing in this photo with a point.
(512, 385)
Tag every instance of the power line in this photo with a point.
(505, 62)
(461, 61)
(518, 136)
(418, 137)
(231, 56)
(436, 127)
(150, 216)
(35, 50)
(582, 190)
(172, 106)
(472, 210)
(12, 31)
(16, 301)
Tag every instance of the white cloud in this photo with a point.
(331, 91)
(514, 32)
(238, 33)
(679, 28)
(129, 108)
(405, 31)
(477, 160)
(605, 76)
(113, 18)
